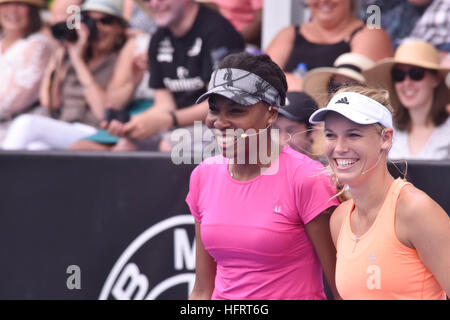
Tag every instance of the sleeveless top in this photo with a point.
(378, 265)
(316, 55)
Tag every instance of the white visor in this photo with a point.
(357, 108)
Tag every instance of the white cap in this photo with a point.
(357, 108)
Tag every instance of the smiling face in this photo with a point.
(108, 33)
(354, 151)
(229, 120)
(167, 12)
(415, 94)
(14, 17)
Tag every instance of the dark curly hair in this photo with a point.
(262, 66)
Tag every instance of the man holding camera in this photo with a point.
(191, 39)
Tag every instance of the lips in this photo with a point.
(225, 141)
(345, 163)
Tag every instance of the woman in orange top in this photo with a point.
(392, 240)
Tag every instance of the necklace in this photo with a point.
(357, 237)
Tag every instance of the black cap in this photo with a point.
(299, 106)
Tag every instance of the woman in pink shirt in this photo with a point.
(261, 221)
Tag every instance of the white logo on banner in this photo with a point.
(126, 281)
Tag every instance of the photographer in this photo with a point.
(74, 85)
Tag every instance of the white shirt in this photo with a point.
(21, 69)
(437, 147)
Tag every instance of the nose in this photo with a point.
(217, 121)
(341, 145)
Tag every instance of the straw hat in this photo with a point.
(110, 7)
(416, 53)
(348, 64)
(37, 3)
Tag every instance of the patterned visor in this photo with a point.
(243, 87)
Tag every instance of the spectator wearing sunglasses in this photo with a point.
(416, 83)
(190, 41)
(74, 85)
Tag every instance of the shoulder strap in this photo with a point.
(348, 206)
(354, 32)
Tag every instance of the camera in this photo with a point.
(119, 115)
(62, 32)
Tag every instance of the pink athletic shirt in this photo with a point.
(255, 230)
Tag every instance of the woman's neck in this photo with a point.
(370, 195)
(98, 57)
(247, 171)
(419, 117)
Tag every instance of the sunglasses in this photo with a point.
(106, 21)
(415, 74)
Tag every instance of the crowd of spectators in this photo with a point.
(121, 75)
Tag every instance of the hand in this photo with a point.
(148, 123)
(114, 127)
(141, 126)
(140, 65)
(78, 48)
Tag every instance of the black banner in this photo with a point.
(111, 226)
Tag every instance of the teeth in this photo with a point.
(227, 140)
(345, 162)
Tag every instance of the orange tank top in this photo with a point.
(378, 265)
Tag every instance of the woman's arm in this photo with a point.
(127, 76)
(422, 224)
(281, 46)
(205, 270)
(318, 231)
(53, 79)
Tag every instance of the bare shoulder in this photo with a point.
(339, 213)
(374, 43)
(415, 206)
(284, 37)
(287, 32)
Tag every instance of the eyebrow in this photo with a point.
(348, 130)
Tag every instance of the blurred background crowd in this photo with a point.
(121, 75)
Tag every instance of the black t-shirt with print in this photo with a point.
(184, 65)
